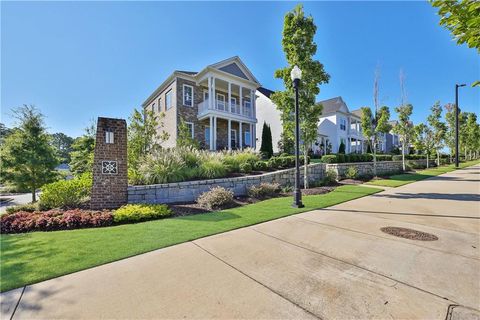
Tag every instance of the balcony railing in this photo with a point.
(223, 106)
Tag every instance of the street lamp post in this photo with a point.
(456, 123)
(296, 75)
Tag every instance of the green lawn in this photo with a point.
(33, 257)
(405, 178)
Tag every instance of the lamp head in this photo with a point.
(296, 73)
(461, 85)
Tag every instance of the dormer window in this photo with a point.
(109, 136)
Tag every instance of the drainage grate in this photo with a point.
(409, 234)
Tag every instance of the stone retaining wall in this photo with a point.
(190, 190)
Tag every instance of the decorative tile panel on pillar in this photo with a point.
(110, 179)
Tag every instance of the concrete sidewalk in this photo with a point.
(330, 263)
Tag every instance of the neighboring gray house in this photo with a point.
(218, 105)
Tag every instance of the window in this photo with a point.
(247, 141)
(153, 107)
(190, 127)
(220, 101)
(233, 102)
(247, 107)
(205, 95)
(233, 138)
(343, 124)
(108, 136)
(168, 100)
(187, 95)
(207, 135)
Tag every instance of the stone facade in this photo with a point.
(190, 190)
(110, 180)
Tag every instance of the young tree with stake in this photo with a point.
(299, 48)
(438, 128)
(424, 139)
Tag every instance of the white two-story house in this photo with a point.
(217, 104)
(337, 124)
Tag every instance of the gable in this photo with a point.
(234, 69)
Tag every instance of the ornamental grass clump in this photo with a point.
(264, 190)
(216, 198)
(140, 212)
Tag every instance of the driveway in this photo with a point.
(15, 200)
(334, 263)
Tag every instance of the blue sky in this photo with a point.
(80, 60)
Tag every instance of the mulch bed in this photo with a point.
(186, 209)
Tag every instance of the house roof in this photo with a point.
(332, 105)
(357, 112)
(190, 73)
(266, 92)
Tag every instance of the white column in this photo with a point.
(363, 142)
(252, 99)
(229, 100)
(211, 133)
(210, 93)
(240, 135)
(241, 100)
(254, 136)
(215, 133)
(229, 128)
(214, 98)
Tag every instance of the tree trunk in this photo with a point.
(438, 158)
(34, 195)
(305, 170)
(403, 156)
(427, 160)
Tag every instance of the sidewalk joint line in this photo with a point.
(256, 281)
(18, 302)
(354, 265)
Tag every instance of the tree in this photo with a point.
(300, 48)
(438, 128)
(424, 139)
(286, 144)
(267, 147)
(373, 126)
(28, 158)
(145, 134)
(471, 133)
(184, 137)
(404, 128)
(461, 18)
(341, 148)
(63, 146)
(4, 132)
(83, 147)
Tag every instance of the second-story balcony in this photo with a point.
(229, 110)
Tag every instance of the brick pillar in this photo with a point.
(110, 180)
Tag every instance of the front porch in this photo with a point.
(228, 134)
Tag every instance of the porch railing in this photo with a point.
(223, 106)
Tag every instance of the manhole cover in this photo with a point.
(409, 234)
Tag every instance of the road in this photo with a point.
(334, 263)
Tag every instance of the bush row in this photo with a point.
(353, 157)
(57, 219)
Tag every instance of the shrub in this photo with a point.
(140, 212)
(216, 198)
(246, 167)
(261, 166)
(351, 172)
(284, 162)
(341, 148)
(51, 220)
(384, 157)
(330, 178)
(29, 207)
(264, 190)
(212, 169)
(340, 158)
(66, 193)
(329, 158)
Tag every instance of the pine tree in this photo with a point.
(28, 158)
(266, 148)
